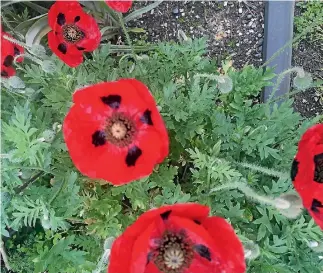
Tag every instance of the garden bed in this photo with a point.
(98, 132)
(234, 30)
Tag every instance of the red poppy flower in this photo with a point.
(307, 172)
(8, 52)
(115, 132)
(178, 238)
(73, 31)
(119, 6)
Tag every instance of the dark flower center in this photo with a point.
(174, 254)
(72, 34)
(120, 130)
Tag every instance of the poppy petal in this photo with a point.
(67, 53)
(229, 247)
(63, 12)
(92, 32)
(119, 6)
(7, 72)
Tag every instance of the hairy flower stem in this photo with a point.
(277, 203)
(213, 77)
(16, 42)
(264, 170)
(124, 29)
(29, 56)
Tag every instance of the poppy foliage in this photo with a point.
(115, 132)
(73, 32)
(9, 51)
(119, 6)
(307, 172)
(178, 238)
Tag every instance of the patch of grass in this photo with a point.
(311, 11)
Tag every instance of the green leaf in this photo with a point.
(137, 13)
(37, 31)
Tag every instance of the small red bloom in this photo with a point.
(307, 172)
(73, 31)
(119, 6)
(8, 52)
(178, 238)
(115, 132)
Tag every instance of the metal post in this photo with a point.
(279, 16)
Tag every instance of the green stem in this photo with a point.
(124, 29)
(31, 168)
(289, 94)
(31, 180)
(57, 192)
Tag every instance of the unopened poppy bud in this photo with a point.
(251, 250)
(48, 135)
(303, 80)
(289, 205)
(225, 84)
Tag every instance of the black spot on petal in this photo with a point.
(294, 170)
(146, 117)
(165, 214)
(8, 61)
(318, 172)
(197, 222)
(62, 48)
(133, 154)
(80, 48)
(98, 138)
(203, 251)
(112, 100)
(76, 19)
(315, 205)
(4, 74)
(16, 51)
(149, 257)
(61, 19)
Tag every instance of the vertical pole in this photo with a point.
(279, 16)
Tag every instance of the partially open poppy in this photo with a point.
(9, 51)
(119, 6)
(115, 132)
(73, 31)
(307, 172)
(179, 238)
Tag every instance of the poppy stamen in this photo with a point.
(72, 33)
(174, 254)
(120, 130)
